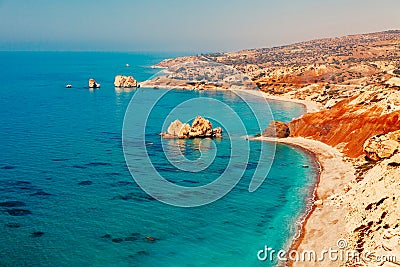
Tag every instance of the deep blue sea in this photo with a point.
(67, 197)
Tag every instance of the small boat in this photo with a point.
(68, 86)
(127, 65)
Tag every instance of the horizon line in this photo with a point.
(195, 52)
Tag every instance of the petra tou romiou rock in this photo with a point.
(201, 128)
(93, 84)
(382, 146)
(125, 81)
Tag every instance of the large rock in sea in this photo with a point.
(125, 81)
(382, 146)
(93, 84)
(277, 129)
(201, 128)
(179, 129)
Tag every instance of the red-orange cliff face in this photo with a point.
(352, 121)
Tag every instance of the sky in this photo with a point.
(184, 25)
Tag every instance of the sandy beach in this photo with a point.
(324, 226)
(311, 106)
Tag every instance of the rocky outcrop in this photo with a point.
(217, 132)
(201, 128)
(179, 129)
(395, 81)
(277, 129)
(382, 146)
(125, 81)
(93, 84)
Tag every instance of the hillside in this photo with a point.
(355, 79)
(321, 70)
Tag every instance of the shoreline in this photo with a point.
(319, 227)
(322, 224)
(310, 106)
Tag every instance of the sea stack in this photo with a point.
(93, 84)
(201, 128)
(125, 81)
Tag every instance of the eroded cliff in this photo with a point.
(348, 124)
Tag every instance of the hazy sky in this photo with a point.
(184, 25)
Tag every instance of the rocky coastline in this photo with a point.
(350, 88)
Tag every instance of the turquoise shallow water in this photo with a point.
(62, 161)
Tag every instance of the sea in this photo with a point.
(74, 166)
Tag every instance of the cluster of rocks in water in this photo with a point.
(16, 208)
(200, 128)
(13, 208)
(119, 81)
